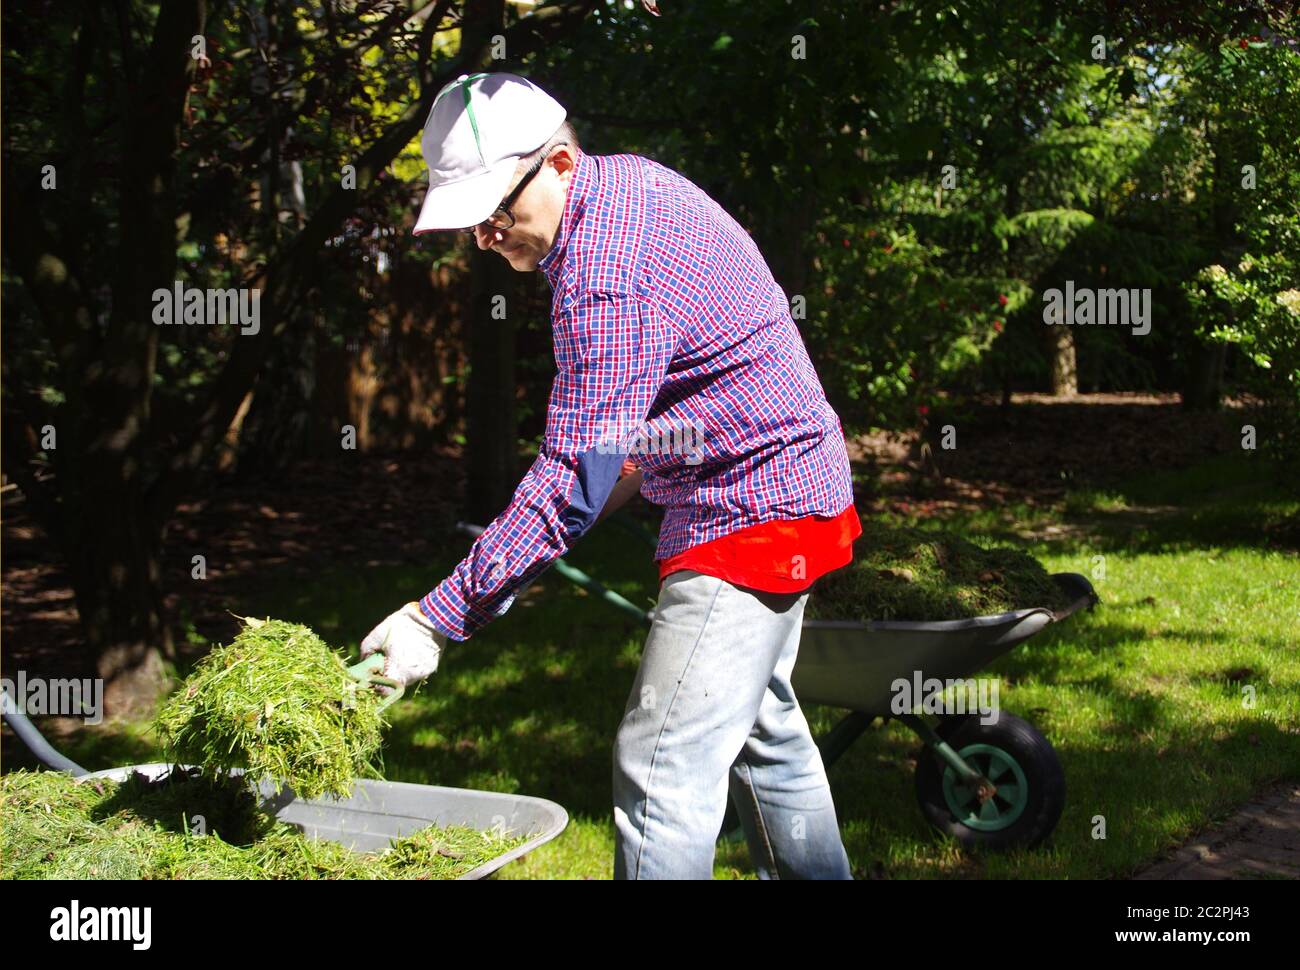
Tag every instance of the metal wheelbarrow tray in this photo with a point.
(375, 813)
(995, 785)
(379, 811)
(851, 664)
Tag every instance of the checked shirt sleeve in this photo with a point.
(611, 354)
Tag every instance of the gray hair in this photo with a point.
(564, 133)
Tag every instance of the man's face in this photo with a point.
(537, 211)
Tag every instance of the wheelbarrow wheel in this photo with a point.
(1022, 766)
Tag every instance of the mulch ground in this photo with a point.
(372, 511)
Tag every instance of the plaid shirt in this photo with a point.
(674, 345)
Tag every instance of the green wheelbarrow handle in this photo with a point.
(370, 673)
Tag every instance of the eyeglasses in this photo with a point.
(503, 218)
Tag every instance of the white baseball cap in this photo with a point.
(479, 127)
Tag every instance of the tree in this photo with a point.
(191, 163)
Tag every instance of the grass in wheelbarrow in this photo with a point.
(910, 574)
(279, 703)
(53, 827)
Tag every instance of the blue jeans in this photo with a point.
(712, 711)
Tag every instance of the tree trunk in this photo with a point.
(116, 576)
(491, 428)
(1203, 379)
(1065, 372)
(1203, 383)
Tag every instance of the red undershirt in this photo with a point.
(783, 556)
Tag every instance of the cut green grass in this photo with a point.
(55, 827)
(279, 703)
(899, 573)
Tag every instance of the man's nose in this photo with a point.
(487, 236)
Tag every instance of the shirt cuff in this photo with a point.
(452, 616)
(446, 619)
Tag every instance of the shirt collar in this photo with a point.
(581, 187)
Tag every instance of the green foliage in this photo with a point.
(1242, 308)
(880, 368)
(1249, 296)
(967, 154)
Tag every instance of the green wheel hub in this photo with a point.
(1006, 775)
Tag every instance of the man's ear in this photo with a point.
(565, 162)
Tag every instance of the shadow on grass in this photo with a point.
(1229, 502)
(1054, 654)
(532, 704)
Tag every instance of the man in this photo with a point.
(673, 344)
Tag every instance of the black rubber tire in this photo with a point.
(1044, 779)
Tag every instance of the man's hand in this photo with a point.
(409, 642)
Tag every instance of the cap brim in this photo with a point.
(458, 205)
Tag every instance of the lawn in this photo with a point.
(1171, 703)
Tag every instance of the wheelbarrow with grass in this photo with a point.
(373, 814)
(995, 785)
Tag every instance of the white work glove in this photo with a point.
(410, 643)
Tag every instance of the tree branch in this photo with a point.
(284, 280)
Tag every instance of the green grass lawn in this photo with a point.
(1142, 698)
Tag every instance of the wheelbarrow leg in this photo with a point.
(841, 737)
(983, 788)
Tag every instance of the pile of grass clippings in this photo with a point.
(277, 702)
(900, 573)
(54, 827)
